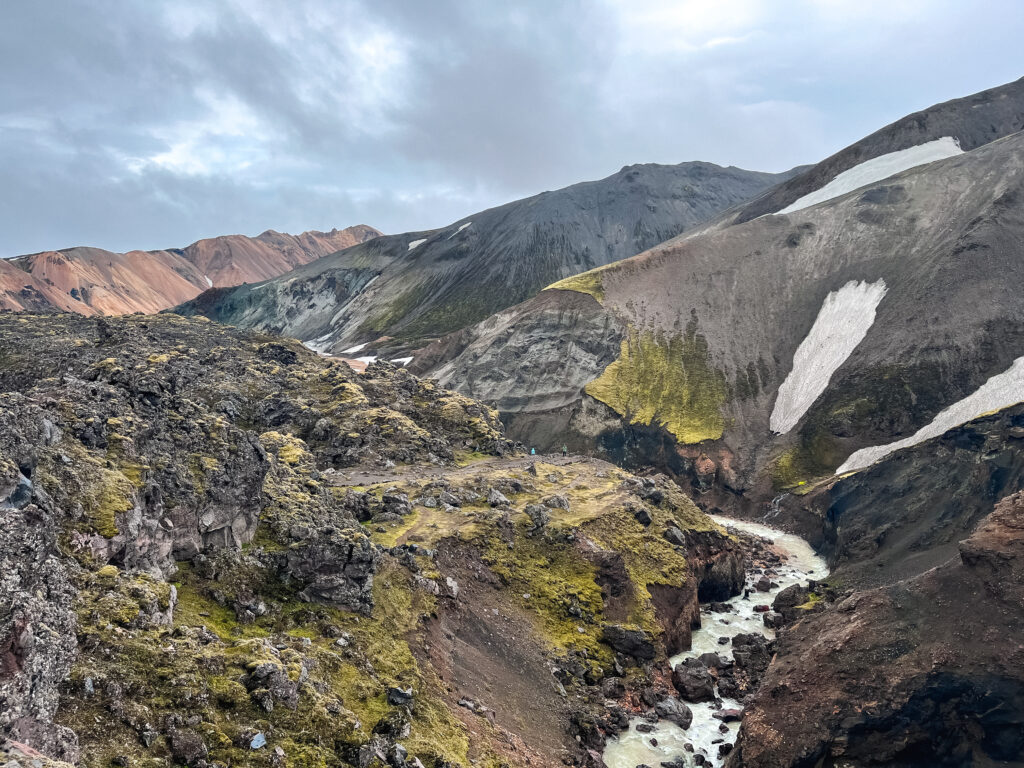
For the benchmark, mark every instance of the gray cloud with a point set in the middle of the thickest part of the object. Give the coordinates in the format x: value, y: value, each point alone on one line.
x: 147, y: 124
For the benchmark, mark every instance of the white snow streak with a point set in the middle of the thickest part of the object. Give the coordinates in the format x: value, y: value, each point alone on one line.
x: 209, y: 282
x: 878, y: 168
x: 842, y: 322
x: 453, y: 234
x: 353, y: 350
x: 402, y: 360
x: 1000, y: 391
x: 367, y: 360
x: 318, y: 345
x: 414, y: 243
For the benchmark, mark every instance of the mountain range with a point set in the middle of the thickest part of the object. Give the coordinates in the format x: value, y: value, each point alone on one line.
x: 95, y: 281
x: 221, y: 546
x: 398, y: 290
x: 759, y: 352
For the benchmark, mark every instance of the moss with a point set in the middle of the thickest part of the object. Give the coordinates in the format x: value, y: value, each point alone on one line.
x: 107, y: 575
x: 560, y: 583
x: 591, y: 283
x: 813, y: 599
x: 667, y: 381
x: 466, y: 458
x: 103, y: 500
x: 134, y: 472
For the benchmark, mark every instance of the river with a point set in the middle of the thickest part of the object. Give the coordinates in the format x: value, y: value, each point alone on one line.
x: 633, y: 748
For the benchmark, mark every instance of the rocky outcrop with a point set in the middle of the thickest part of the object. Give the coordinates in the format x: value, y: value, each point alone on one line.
x: 133, y: 448
x: 396, y: 291
x: 94, y: 281
x: 924, y: 672
x: 37, y: 624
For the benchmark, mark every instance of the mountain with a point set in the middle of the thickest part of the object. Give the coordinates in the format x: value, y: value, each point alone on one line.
x: 94, y: 281
x: 758, y: 354
x: 925, y: 601
x: 423, y: 284
x: 220, y: 548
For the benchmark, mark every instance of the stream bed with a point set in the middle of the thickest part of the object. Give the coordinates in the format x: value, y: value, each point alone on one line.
x: 632, y: 748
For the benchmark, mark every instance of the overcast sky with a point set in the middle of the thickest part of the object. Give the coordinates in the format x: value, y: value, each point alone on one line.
x: 146, y: 124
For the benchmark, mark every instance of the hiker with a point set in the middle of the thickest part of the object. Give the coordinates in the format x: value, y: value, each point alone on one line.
x: 565, y: 451
x: 533, y: 451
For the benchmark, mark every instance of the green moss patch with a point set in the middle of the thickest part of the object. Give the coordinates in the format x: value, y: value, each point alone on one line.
x: 668, y: 381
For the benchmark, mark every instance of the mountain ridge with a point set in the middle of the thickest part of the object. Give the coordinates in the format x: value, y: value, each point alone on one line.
x: 90, y: 280
x: 430, y: 282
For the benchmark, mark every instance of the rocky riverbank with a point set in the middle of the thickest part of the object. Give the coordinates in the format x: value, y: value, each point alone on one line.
x: 728, y: 655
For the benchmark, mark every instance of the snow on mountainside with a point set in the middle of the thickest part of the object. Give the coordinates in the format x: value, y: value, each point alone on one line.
x: 1000, y: 391
x: 842, y: 323
x: 759, y: 357
x: 878, y: 168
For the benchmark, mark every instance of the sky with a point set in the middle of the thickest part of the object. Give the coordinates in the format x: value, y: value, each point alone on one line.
x: 149, y: 124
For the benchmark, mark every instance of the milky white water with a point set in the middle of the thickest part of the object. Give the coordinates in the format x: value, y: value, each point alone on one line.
x: 633, y: 748
x: 878, y: 168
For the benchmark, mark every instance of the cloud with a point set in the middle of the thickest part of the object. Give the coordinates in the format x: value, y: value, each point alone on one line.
x: 154, y: 124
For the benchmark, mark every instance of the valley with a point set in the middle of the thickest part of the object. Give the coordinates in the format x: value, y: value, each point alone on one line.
x: 687, y: 466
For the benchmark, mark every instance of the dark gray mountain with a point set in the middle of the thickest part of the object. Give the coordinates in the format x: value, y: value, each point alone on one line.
x: 763, y: 356
x: 424, y: 284
x: 972, y: 121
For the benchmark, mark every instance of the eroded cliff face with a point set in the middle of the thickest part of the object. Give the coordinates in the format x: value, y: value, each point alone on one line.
x: 221, y: 548
x: 908, y: 655
x: 923, y: 672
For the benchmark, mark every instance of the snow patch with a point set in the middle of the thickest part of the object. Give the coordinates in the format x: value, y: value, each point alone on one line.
x: 367, y: 360
x: 878, y: 168
x: 414, y: 243
x: 1001, y: 391
x: 453, y: 234
x: 209, y: 282
x: 353, y: 350
x: 842, y: 323
x: 402, y: 360
x: 318, y: 345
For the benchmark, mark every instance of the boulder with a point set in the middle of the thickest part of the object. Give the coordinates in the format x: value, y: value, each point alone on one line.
x: 558, y: 501
x: 497, y: 499
x: 675, y: 536
x: 674, y: 711
x: 538, y: 514
x: 631, y: 642
x: 693, y: 681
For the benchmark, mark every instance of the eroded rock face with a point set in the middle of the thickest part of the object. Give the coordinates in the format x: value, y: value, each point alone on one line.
x: 927, y: 671
x: 37, y: 623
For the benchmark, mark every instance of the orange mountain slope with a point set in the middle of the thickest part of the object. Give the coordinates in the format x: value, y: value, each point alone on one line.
x: 94, y: 281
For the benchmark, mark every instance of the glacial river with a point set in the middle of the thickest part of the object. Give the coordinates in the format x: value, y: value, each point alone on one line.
x: 633, y: 748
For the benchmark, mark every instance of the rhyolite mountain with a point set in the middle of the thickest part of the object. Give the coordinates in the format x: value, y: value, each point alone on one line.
x: 95, y: 281
x: 420, y: 285
x: 758, y: 354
